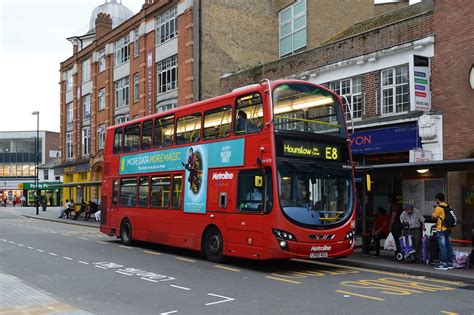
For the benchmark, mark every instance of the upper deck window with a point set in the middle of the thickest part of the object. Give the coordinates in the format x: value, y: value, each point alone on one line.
x: 188, y: 129
x: 147, y: 129
x: 307, y: 108
x: 164, y: 132
x: 118, y: 139
x: 249, y: 114
x: 217, y: 123
x: 131, y: 141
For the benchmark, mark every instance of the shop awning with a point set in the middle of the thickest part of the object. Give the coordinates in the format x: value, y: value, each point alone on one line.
x: 447, y: 165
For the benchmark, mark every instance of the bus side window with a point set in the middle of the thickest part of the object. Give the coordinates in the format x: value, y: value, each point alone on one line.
x: 188, y: 129
x: 177, y: 198
x: 115, y: 191
x: 147, y: 129
x: 160, y: 191
x: 118, y: 137
x: 131, y: 142
x: 128, y: 192
x: 217, y: 123
x: 143, y: 192
x: 164, y: 132
x: 249, y: 114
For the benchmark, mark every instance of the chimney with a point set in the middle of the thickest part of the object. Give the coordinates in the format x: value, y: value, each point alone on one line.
x: 103, y: 25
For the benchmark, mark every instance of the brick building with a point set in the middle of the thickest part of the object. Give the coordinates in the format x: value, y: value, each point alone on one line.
x: 171, y: 53
x: 387, y: 67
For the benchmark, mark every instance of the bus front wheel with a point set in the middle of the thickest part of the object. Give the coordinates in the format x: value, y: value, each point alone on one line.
x: 213, y: 245
x: 126, y: 232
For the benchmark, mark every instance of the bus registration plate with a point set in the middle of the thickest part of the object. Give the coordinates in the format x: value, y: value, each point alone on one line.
x: 318, y: 255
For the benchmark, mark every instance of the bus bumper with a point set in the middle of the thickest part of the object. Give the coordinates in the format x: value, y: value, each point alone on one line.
x: 314, y: 250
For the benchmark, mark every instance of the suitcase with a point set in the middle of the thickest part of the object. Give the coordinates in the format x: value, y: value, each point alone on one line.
x: 433, y: 248
x: 424, y: 254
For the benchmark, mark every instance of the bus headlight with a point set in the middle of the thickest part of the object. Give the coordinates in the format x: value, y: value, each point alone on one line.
x: 283, y: 244
x: 283, y: 235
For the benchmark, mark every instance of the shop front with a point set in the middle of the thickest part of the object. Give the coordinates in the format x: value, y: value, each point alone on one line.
x: 79, y: 182
x: 49, y: 192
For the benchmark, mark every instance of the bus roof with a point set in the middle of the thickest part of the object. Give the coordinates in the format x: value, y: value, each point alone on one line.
x: 238, y: 91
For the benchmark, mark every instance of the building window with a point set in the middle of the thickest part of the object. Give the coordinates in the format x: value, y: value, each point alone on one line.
x: 69, y: 114
x: 69, y: 145
x: 45, y: 174
x: 122, y: 50
x: 136, y: 91
x: 101, y: 136
x: 86, y: 141
x: 164, y: 108
x: 136, y: 44
x: 293, y: 28
x: 395, y: 91
x: 86, y: 107
x: 121, y: 119
x: 69, y: 80
x: 122, y: 92
x: 102, y: 60
x: 86, y: 70
x: 350, y: 90
x: 167, y: 74
x: 167, y: 25
x: 101, y: 99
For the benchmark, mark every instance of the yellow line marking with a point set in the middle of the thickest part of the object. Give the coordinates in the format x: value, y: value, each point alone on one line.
x: 102, y: 242
x: 457, y: 283
x: 185, y: 259
x: 285, y: 280
x: 449, y: 313
x: 150, y: 252
x: 126, y: 247
x: 361, y: 295
x: 83, y: 238
x: 226, y: 268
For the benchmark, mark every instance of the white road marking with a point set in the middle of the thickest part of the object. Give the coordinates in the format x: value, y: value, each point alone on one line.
x: 226, y: 299
x: 4, y: 240
x: 68, y: 258
x: 53, y: 254
x: 29, y: 247
x: 147, y: 279
x: 178, y: 287
x: 21, y: 245
x: 123, y: 273
x: 40, y: 250
x: 83, y: 262
x: 11, y: 242
x: 83, y: 238
x: 171, y: 312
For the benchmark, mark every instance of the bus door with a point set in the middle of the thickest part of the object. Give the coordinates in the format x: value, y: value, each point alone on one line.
x: 246, y: 229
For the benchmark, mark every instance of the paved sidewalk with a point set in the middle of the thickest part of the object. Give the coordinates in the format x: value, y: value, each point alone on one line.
x: 383, y: 262
x: 51, y: 214
x: 16, y: 297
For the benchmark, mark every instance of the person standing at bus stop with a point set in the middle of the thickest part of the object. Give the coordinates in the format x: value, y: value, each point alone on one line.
x: 442, y: 234
x: 395, y: 225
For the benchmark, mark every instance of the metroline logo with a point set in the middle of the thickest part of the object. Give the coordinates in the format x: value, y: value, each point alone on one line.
x: 226, y: 175
x: 324, y: 248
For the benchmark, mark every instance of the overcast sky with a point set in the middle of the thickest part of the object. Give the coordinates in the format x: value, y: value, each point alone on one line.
x: 32, y: 44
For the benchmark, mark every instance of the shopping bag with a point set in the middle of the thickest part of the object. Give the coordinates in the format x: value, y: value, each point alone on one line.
x: 461, y: 259
x: 389, y: 243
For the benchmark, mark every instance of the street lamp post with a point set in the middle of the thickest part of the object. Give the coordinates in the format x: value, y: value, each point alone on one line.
x: 36, y: 113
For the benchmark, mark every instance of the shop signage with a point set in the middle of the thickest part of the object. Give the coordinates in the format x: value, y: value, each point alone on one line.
x: 149, y: 82
x: 41, y: 186
x: 421, y: 86
x: 387, y: 140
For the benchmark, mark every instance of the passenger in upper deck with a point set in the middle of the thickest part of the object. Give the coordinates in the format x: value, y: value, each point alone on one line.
x: 241, y: 123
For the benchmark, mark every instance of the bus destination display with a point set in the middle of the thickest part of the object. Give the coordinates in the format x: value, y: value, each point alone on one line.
x: 306, y: 149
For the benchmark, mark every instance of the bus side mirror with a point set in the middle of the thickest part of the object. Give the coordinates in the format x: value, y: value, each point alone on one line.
x: 368, y: 182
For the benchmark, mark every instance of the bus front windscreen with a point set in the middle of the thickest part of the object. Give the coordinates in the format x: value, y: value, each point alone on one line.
x: 315, y: 197
x: 307, y: 108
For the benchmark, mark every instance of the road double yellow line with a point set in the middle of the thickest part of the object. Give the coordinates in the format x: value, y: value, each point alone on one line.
x: 361, y: 295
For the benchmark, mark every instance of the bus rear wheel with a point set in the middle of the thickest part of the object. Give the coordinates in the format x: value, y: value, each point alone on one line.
x: 126, y: 232
x: 213, y: 245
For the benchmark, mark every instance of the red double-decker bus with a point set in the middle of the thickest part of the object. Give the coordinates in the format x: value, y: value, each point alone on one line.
x: 264, y: 172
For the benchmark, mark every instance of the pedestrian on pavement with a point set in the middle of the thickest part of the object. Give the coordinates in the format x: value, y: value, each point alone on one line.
x: 442, y: 234
x: 414, y: 224
x: 81, y: 209
x: 23, y: 201
x: 14, y: 200
x: 395, y: 225
x: 380, y: 229
x: 4, y: 201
